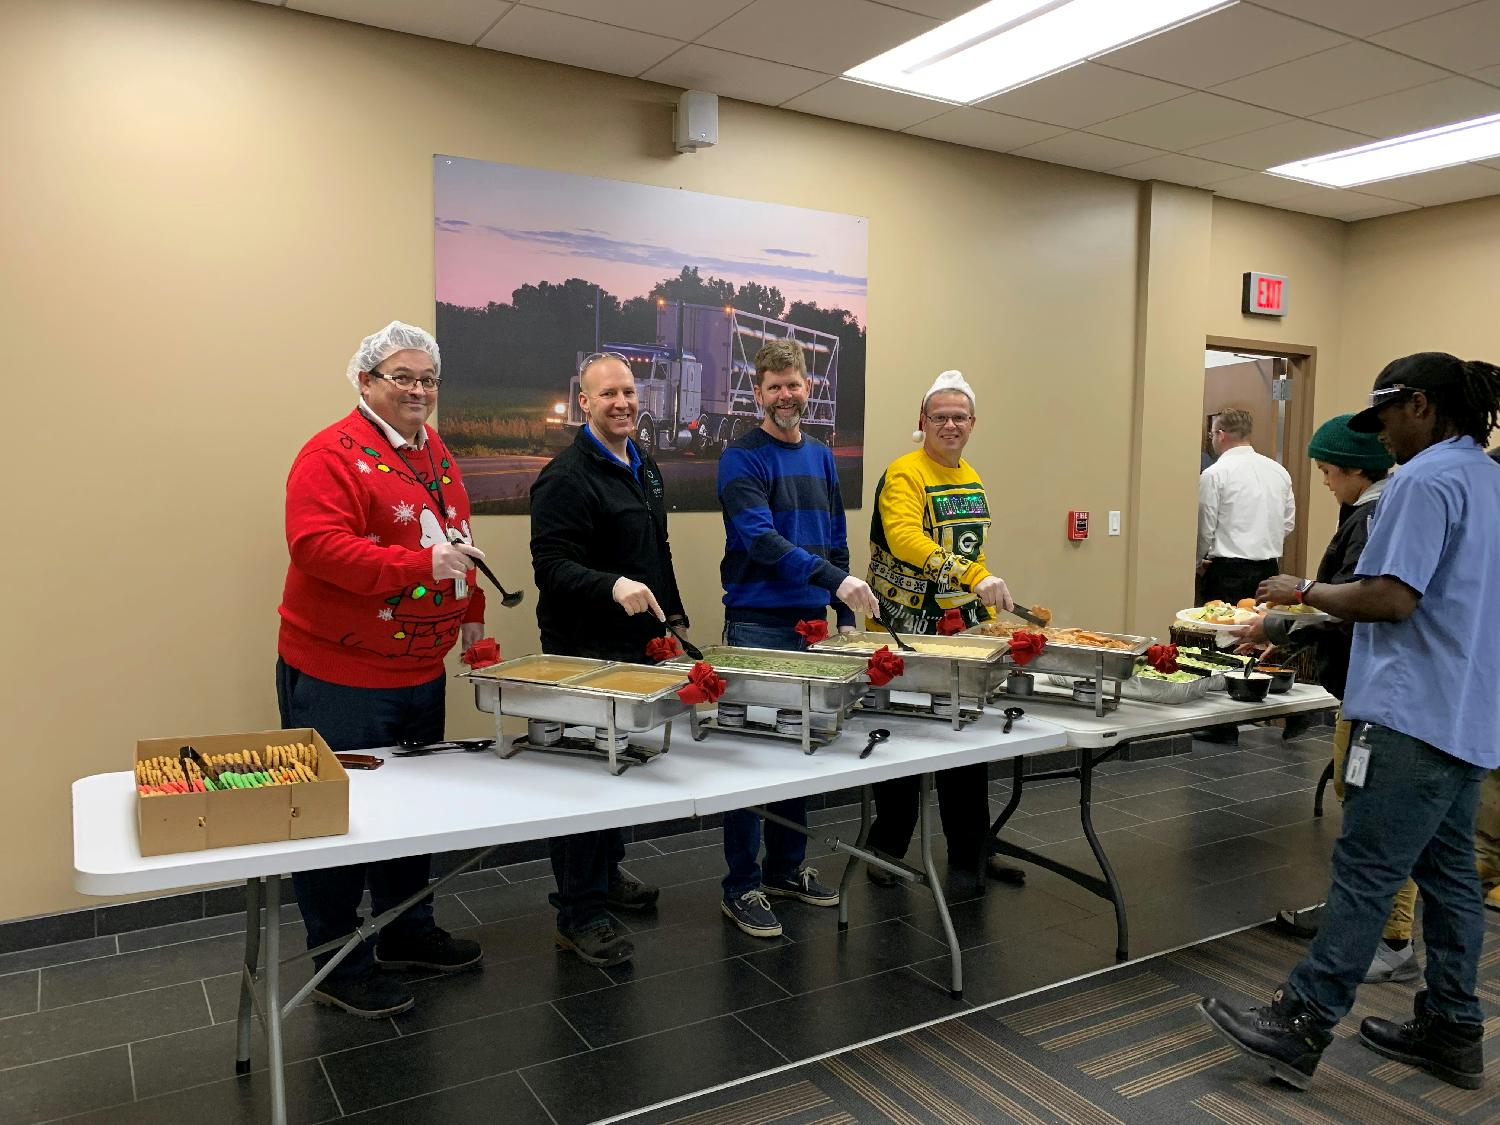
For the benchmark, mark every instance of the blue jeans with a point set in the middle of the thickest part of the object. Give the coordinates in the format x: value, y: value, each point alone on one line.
x: 583, y: 865
x: 351, y: 718
x: 1414, y: 816
x: 785, y: 849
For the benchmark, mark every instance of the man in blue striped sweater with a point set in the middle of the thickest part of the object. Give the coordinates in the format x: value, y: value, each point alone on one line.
x: 786, y: 558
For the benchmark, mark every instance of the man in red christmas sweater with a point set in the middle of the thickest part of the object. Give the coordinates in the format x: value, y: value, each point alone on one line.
x: 378, y: 591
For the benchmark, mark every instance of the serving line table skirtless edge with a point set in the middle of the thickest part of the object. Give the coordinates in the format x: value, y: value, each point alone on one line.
x: 1097, y: 738
x: 454, y: 801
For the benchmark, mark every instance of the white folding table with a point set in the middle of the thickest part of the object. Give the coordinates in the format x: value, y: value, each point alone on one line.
x: 456, y: 800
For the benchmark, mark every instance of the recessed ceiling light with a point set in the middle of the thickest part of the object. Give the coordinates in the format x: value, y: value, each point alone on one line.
x: 1008, y: 43
x: 1442, y: 147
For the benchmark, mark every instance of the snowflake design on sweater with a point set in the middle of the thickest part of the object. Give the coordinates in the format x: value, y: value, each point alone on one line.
x: 363, y: 466
x: 386, y: 613
x: 373, y: 538
x: 404, y: 512
x: 452, y: 512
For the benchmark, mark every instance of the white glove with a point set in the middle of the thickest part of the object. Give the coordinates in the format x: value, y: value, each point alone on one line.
x: 993, y: 591
x: 451, y: 560
x: 636, y: 597
x: 857, y: 595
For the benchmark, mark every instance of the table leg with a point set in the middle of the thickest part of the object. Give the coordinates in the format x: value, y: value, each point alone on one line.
x: 956, y: 681
x: 245, y: 1027
x: 1086, y: 815
x: 854, y: 860
x: 935, y: 885
x: 807, y: 746
x: 273, y: 998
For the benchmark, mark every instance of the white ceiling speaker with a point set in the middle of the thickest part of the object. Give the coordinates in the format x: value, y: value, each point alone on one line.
x: 695, y: 122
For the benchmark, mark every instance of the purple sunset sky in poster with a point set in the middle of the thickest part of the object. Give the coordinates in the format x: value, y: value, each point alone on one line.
x: 501, y: 226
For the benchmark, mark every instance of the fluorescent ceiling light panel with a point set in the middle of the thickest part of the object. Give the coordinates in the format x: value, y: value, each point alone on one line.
x: 1008, y: 43
x: 1442, y: 147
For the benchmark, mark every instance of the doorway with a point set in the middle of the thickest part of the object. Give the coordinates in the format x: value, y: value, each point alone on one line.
x: 1274, y: 382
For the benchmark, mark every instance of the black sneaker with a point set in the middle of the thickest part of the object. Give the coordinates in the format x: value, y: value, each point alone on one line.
x: 372, y: 996
x: 803, y: 886
x: 1282, y: 1035
x: 437, y: 950
x: 631, y: 894
x: 752, y: 913
x: 597, y: 945
x: 996, y: 868
x: 1453, y: 1052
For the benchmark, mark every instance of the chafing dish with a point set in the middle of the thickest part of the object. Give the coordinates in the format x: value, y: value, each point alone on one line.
x: 949, y: 669
x: 1107, y: 667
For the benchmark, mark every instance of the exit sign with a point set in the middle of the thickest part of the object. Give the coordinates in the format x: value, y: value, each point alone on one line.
x: 1263, y: 294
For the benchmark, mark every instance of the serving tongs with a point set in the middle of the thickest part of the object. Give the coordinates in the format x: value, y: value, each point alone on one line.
x: 411, y: 749
x: 1026, y: 614
x: 687, y: 646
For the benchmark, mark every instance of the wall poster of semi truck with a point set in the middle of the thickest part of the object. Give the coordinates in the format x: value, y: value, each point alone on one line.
x: 536, y: 269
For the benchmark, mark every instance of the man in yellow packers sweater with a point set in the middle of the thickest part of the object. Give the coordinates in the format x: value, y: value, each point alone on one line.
x: 927, y: 567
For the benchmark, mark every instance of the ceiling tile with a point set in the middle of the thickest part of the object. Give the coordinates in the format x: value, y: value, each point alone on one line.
x: 1411, y: 111
x: 576, y: 42
x: 830, y: 36
x: 733, y: 76
x: 1082, y: 95
x: 1346, y: 74
x: 674, y: 19
x: 1195, y: 119
x: 1178, y: 169
x: 937, y: 9
x: 1291, y: 140
x: 1333, y: 203
x: 1360, y: 17
x: 1228, y: 44
x: 1490, y: 74
x: 1084, y: 150
x: 458, y: 21
x: 866, y: 105
x: 1464, y: 39
x: 1446, y: 185
x: 978, y: 128
x: 1257, y: 187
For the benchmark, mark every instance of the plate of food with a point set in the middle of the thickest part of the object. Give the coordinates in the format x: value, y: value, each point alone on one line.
x: 1218, y: 616
x: 1303, y: 613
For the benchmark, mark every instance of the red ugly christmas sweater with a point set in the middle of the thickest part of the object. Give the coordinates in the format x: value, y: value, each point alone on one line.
x: 360, y: 607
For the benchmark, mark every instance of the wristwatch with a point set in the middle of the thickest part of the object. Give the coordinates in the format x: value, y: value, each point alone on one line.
x: 1307, y: 584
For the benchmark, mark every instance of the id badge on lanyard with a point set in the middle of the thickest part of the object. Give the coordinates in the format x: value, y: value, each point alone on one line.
x: 460, y: 584
x: 1359, y: 759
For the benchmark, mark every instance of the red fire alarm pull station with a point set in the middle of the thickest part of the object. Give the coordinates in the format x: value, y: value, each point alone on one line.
x: 1263, y: 294
x: 1078, y: 525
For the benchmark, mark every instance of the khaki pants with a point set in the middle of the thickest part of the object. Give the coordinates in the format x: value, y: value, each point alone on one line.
x: 1404, y: 906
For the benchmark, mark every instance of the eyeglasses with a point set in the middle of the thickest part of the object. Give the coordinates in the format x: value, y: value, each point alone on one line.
x: 941, y: 420
x: 595, y: 357
x: 406, y: 381
x: 1384, y: 396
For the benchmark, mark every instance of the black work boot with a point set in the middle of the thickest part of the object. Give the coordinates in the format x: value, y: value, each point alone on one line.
x: 1283, y: 1035
x: 1453, y: 1052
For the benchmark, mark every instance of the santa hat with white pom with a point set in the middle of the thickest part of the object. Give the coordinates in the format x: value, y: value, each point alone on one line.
x: 948, y: 381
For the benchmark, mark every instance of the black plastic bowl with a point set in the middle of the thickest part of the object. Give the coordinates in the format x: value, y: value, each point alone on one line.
x: 1282, y: 679
x: 1247, y: 689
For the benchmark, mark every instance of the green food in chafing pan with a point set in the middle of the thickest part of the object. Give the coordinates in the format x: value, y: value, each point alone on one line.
x: 791, y: 664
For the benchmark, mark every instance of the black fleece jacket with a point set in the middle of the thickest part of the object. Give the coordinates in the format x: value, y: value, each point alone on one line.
x: 591, y: 523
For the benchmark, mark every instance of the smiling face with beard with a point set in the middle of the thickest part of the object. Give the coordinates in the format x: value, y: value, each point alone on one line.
x: 782, y: 398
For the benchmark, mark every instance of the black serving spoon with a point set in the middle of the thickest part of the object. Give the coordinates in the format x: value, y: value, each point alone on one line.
x: 509, y: 599
x: 687, y: 646
x: 1011, y: 715
x: 899, y: 642
x: 879, y: 734
x: 411, y: 749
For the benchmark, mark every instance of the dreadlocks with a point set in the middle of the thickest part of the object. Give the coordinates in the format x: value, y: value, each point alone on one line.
x: 1473, y: 407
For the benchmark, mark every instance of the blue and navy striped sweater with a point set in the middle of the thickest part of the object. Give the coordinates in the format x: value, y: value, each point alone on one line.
x: 786, y: 549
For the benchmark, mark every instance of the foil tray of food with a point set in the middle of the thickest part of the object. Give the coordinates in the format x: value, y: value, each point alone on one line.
x: 938, y: 666
x: 763, y: 677
x: 1073, y: 652
x: 580, y: 692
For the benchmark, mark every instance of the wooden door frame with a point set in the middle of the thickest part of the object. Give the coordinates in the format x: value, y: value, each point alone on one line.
x: 1302, y: 365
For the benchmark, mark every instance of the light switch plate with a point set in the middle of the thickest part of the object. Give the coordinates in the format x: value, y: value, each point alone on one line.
x: 1114, y: 523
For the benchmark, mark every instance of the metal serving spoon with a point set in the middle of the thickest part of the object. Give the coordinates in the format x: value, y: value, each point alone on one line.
x: 879, y: 734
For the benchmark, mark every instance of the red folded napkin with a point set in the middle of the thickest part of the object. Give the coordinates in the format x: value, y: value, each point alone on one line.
x: 1025, y: 646
x: 1163, y: 658
x: 813, y: 632
x: 482, y: 653
x: 704, y: 685
x: 662, y: 649
x: 951, y: 622
x: 884, y: 666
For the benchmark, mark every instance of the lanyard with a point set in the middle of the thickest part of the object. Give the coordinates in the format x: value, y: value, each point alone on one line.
x: 435, y: 485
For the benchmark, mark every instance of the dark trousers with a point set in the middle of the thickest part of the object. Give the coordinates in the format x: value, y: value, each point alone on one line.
x: 1229, y: 580
x: 583, y: 865
x: 1414, y: 816
x: 358, y: 719
x: 963, y: 803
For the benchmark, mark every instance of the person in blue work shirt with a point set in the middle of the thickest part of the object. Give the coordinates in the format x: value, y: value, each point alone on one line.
x: 786, y: 558
x: 1422, y: 698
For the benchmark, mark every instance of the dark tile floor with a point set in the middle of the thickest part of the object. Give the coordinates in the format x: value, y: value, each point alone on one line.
x: 138, y: 1026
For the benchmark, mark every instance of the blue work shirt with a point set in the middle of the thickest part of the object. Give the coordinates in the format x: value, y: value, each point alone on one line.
x: 1436, y: 675
x: 634, y: 464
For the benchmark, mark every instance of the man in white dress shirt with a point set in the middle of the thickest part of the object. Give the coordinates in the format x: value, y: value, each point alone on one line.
x: 1245, y: 513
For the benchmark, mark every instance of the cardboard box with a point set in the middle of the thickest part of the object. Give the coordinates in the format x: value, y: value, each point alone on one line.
x: 189, y: 822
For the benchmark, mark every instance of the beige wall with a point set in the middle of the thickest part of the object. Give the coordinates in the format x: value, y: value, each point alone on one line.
x: 209, y: 202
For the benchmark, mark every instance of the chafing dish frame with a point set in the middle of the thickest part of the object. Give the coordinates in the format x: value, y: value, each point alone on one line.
x: 1107, y: 667
x: 961, y: 676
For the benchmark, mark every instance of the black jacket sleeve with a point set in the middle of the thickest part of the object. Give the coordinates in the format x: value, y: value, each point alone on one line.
x: 562, y: 518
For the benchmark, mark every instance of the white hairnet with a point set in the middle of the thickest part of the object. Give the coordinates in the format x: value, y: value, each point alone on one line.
x: 947, y: 381
x: 394, y: 337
